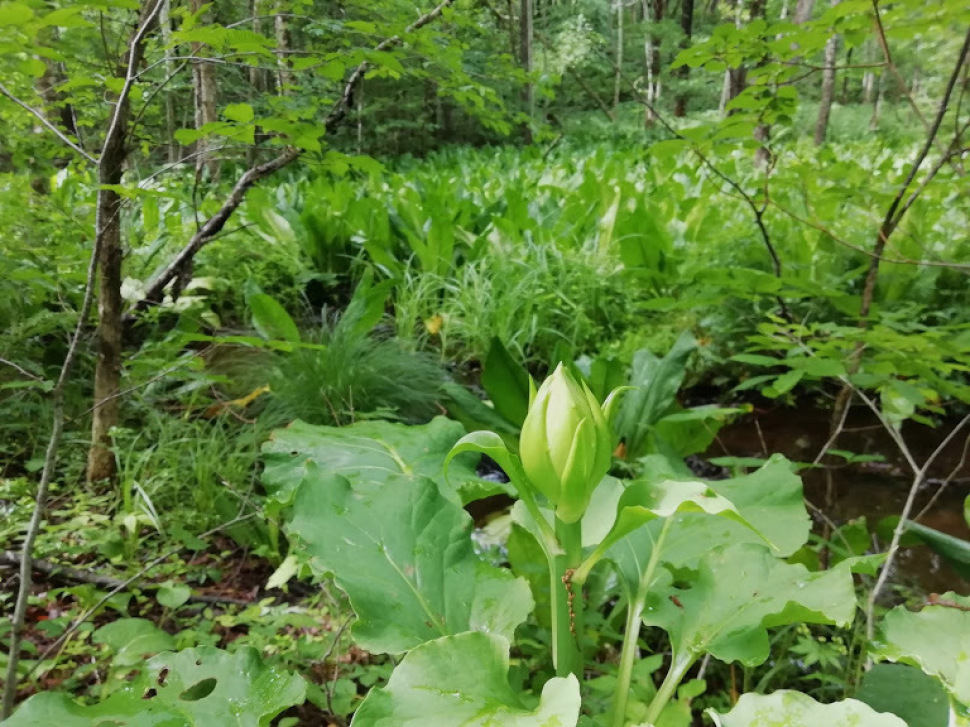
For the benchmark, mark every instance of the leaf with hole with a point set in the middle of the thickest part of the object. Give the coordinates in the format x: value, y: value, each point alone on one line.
x: 197, y: 687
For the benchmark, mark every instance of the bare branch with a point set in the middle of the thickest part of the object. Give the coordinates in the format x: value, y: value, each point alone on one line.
x: 67, y: 573
x: 887, y: 54
x: 155, y: 291
x: 39, y: 115
x: 21, y: 370
x: 894, y: 214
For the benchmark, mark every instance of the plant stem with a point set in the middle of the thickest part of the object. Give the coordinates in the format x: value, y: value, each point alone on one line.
x: 632, y: 632
x: 567, y: 605
x: 678, y: 668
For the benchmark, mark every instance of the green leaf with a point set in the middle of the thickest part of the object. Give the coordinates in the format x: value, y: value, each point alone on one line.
x: 131, y: 640
x: 936, y: 639
x: 644, y: 502
x: 402, y: 543
x: 240, y: 112
x: 506, y: 383
x: 270, y: 318
x: 770, y: 500
x: 656, y: 381
x: 193, y: 688
x: 794, y: 709
x: 462, y: 681
x: 916, y: 698
x: 740, y: 592
x: 786, y: 382
x: 173, y: 595
x: 371, y: 453
x: 14, y: 14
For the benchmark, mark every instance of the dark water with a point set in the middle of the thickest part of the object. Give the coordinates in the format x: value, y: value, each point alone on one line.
x: 873, y: 490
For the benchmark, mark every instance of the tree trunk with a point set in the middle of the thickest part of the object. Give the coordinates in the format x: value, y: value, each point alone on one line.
x: 525, y: 57
x: 734, y: 78
x: 107, y: 374
x: 257, y: 78
x: 284, y: 74
x: 205, y: 90
x: 683, y: 73
x: 877, y: 84
x: 762, y: 132
x: 165, y: 24
x: 828, y: 87
x: 803, y: 11
x: 618, y: 73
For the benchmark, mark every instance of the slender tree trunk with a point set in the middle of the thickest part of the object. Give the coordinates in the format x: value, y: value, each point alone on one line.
x: 734, y: 78
x: 205, y: 90
x: 879, y: 84
x: 165, y: 24
x: 525, y: 50
x: 284, y: 74
x: 257, y: 78
x: 107, y: 374
x: 844, y: 95
x: 762, y: 132
x: 803, y: 11
x: 618, y: 74
x: 683, y: 73
x: 513, y: 41
x: 828, y: 87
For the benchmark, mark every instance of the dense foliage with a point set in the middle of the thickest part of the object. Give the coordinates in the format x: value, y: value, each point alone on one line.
x: 276, y: 274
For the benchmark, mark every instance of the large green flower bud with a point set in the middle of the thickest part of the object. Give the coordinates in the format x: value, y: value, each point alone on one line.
x: 566, y: 444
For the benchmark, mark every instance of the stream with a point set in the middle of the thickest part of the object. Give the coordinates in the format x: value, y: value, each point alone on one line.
x: 873, y: 490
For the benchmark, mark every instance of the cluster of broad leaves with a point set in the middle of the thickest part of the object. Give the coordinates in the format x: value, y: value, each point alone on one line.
x: 369, y: 506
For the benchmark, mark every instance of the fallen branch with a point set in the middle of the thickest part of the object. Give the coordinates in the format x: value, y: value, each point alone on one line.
x: 67, y: 573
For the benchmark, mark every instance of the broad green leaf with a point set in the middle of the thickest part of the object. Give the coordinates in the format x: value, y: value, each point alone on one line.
x: 193, y: 688
x: 507, y: 383
x: 14, y: 14
x: 372, y: 452
x: 916, y: 698
x: 240, y: 112
x: 643, y: 502
x: 936, y: 639
x: 769, y: 499
x: 794, y: 709
x: 173, y: 595
x: 402, y: 543
x: 270, y: 318
x: 462, y: 681
x: 741, y: 591
x: 131, y: 640
x: 656, y: 381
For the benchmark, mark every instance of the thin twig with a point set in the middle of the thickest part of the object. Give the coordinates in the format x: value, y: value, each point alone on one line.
x: 65, y: 572
x: 76, y: 623
x: 946, y: 483
x: 900, y: 529
x: 21, y: 370
x: 40, y: 503
x: 39, y: 115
